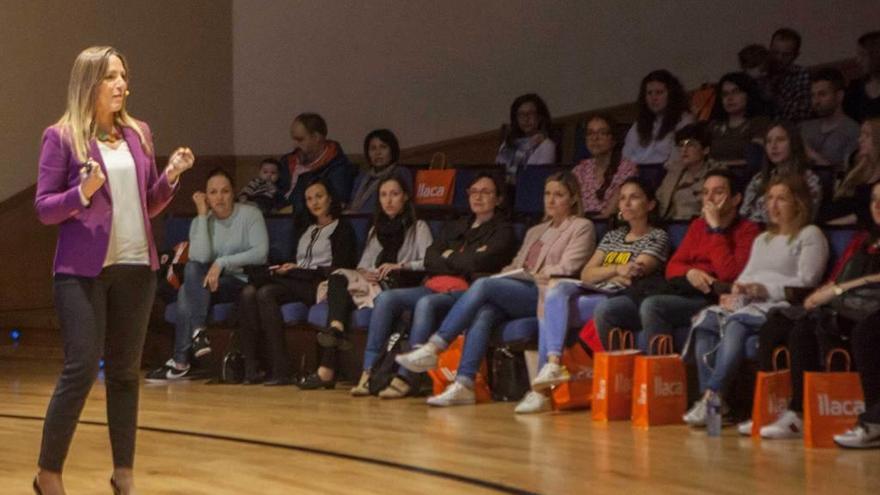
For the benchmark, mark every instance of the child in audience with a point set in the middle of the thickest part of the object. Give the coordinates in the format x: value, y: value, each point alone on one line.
x: 600, y: 177
x: 784, y: 155
x: 738, y: 120
x: 262, y: 190
x: 824, y: 324
x: 527, y: 140
x: 852, y: 193
x: 397, y: 241
x: 790, y: 253
x: 679, y: 195
x: 557, y: 247
x: 663, y: 109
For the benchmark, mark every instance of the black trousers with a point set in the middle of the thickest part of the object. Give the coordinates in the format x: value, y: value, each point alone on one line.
x: 339, y: 308
x: 261, y: 320
x: 102, y: 316
x: 866, y: 352
x: 809, y: 335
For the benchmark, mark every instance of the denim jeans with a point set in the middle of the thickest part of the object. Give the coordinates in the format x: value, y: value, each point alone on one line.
x: 619, y: 312
x: 669, y: 315
x: 720, y: 346
x: 193, y: 302
x: 553, y: 326
x: 479, y: 310
x: 388, y: 307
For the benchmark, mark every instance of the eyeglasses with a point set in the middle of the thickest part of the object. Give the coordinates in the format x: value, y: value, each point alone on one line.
x: 595, y: 134
x: 481, y: 192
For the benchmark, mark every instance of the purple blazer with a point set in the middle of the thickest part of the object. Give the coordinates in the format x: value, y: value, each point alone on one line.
x: 84, y: 232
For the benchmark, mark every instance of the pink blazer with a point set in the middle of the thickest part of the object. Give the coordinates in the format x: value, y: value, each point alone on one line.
x: 565, y: 253
x: 84, y: 232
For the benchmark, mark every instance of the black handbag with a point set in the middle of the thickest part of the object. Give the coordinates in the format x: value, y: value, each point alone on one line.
x: 510, y: 377
x: 858, y: 303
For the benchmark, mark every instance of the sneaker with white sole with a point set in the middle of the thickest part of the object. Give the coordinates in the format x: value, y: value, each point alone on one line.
x: 455, y: 394
x: 789, y: 425
x: 168, y: 372
x: 696, y: 415
x: 551, y: 374
x: 419, y: 360
x: 745, y: 428
x: 201, y: 346
x: 861, y: 436
x: 533, y: 402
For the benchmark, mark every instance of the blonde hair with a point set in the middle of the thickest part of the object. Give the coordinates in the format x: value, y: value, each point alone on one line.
x: 571, y: 184
x: 803, y: 200
x: 866, y: 165
x: 78, y: 121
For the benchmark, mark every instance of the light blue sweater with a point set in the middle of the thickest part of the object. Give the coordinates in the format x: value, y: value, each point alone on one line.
x: 238, y: 240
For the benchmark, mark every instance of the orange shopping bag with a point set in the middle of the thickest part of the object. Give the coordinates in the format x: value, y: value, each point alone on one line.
x: 659, y: 394
x: 577, y: 392
x: 612, y: 378
x: 772, y: 393
x: 436, y: 185
x: 832, y: 402
x: 447, y: 364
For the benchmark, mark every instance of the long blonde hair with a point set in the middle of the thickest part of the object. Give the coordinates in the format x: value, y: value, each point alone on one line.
x: 866, y: 165
x: 78, y: 121
x: 571, y: 184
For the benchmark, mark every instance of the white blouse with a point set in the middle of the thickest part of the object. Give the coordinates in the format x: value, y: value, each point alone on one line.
x: 128, y: 239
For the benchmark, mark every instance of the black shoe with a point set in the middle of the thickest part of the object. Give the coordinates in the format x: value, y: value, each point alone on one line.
x: 37, y: 489
x: 201, y: 345
x: 169, y: 373
x: 328, y: 337
x: 314, y: 382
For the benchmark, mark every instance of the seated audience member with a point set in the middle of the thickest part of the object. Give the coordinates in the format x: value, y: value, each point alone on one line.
x: 789, y: 83
x: 600, y: 177
x: 262, y: 190
x: 679, y: 195
x: 481, y: 242
x: 754, y: 61
x: 527, y: 141
x: 831, y: 137
x: 853, y: 192
x: 557, y: 247
x: 628, y: 256
x: 625, y: 255
x: 865, y: 434
x: 790, y: 253
x: 396, y: 241
x: 737, y: 121
x: 382, y: 153
x: 825, y: 322
x: 327, y: 243
x: 863, y: 94
x: 313, y: 156
x: 224, y: 237
x: 784, y: 155
x: 663, y: 109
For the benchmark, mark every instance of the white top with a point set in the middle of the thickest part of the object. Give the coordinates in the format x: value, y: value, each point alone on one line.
x: 314, y: 249
x: 128, y: 238
x: 657, y: 150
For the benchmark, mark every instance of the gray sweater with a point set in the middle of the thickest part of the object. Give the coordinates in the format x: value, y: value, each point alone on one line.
x: 238, y: 240
x: 411, y: 253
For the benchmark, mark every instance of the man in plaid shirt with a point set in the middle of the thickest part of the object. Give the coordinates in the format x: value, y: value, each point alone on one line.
x: 790, y: 83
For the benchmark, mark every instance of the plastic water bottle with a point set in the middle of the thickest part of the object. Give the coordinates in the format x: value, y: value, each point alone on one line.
x: 713, y: 415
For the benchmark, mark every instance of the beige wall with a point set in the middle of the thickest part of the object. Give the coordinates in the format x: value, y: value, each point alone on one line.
x: 436, y: 70
x: 181, y: 69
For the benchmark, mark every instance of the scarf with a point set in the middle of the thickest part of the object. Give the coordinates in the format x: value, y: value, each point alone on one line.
x: 297, y: 168
x: 391, y: 234
x: 370, y: 185
x: 515, y: 157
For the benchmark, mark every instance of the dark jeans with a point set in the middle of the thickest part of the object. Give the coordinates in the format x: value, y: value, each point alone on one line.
x: 866, y: 352
x: 261, y: 319
x: 102, y: 316
x: 808, y: 338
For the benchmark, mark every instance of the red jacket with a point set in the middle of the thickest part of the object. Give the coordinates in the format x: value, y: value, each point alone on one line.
x: 722, y: 255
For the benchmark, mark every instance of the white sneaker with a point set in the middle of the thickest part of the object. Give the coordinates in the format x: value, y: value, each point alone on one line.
x: 551, y: 374
x: 533, y: 402
x: 696, y: 415
x: 861, y: 436
x: 789, y: 425
x: 745, y: 428
x: 418, y: 361
x: 454, y: 395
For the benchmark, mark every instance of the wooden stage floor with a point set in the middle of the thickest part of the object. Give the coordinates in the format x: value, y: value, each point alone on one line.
x: 232, y: 439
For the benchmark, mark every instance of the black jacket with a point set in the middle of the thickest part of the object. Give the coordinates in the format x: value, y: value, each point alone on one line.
x: 485, y: 249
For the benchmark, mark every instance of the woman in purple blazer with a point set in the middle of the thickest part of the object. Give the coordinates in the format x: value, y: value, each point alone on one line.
x: 98, y: 182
